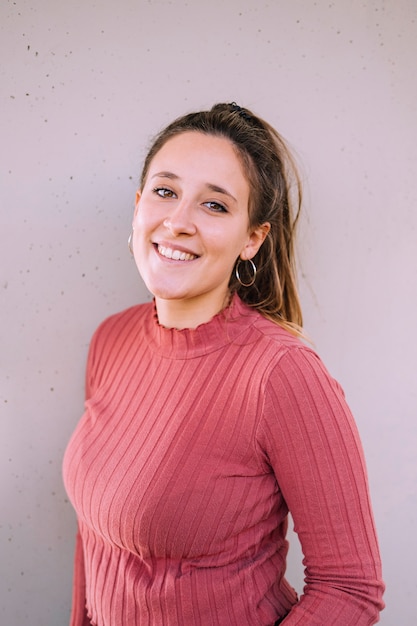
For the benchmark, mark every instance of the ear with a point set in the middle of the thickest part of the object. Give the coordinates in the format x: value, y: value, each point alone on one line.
x: 256, y: 239
x: 137, y: 199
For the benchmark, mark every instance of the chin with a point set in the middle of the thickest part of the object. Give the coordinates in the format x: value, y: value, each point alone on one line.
x: 167, y: 293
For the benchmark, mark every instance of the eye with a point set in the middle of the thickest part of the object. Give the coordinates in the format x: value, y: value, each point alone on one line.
x: 216, y: 207
x: 163, y: 192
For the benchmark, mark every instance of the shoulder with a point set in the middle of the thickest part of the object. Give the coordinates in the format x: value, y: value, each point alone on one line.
x: 276, y: 334
x: 287, y: 369
x: 304, y: 407
x: 293, y: 369
x: 123, y: 322
x: 301, y: 398
x: 117, y: 332
x: 112, y: 342
x: 281, y: 347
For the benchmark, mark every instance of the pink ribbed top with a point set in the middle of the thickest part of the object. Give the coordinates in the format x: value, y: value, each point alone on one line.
x: 193, y: 447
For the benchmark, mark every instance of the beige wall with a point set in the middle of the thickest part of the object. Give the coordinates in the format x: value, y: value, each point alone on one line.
x: 83, y: 87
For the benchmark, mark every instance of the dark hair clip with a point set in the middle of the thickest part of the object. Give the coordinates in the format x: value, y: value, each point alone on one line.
x: 242, y: 112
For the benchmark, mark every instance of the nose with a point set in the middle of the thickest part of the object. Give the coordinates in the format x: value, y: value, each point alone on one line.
x: 180, y: 220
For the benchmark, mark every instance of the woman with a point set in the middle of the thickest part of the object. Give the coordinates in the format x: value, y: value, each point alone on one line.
x: 207, y: 418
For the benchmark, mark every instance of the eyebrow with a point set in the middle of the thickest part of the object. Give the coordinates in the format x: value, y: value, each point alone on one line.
x: 210, y: 186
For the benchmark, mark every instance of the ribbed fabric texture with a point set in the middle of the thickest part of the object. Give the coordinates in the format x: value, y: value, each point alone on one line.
x: 193, y: 446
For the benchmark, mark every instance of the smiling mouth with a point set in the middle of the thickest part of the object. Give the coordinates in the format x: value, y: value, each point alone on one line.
x: 175, y: 255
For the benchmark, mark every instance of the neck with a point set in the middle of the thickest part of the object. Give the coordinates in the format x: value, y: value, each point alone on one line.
x: 182, y: 314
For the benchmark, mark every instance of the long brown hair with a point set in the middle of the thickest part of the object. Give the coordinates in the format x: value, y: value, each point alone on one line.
x: 275, y: 197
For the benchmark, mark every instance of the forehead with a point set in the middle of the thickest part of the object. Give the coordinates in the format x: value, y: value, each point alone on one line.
x: 197, y: 149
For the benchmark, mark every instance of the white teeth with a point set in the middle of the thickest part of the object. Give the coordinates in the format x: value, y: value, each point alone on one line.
x: 176, y: 255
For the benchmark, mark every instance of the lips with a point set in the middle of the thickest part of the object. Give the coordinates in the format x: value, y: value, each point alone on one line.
x: 175, y: 255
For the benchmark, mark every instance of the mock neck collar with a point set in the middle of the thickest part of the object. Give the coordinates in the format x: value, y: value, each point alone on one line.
x: 228, y: 326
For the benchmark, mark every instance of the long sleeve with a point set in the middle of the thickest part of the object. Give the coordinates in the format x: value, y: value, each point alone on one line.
x: 193, y: 446
x: 315, y: 452
x: 78, y: 611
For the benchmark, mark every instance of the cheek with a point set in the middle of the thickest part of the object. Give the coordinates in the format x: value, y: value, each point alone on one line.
x: 225, y: 254
x: 143, y: 220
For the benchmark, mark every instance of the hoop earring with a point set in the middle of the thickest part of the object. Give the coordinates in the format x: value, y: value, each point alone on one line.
x: 238, y: 276
x: 129, y: 243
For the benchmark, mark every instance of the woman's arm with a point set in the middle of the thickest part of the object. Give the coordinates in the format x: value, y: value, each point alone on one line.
x: 79, y: 611
x: 313, y: 446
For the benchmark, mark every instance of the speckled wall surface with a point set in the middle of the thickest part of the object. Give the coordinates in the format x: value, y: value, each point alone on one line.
x: 84, y: 85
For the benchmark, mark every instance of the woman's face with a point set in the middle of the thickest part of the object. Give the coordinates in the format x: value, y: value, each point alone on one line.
x: 191, y: 221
